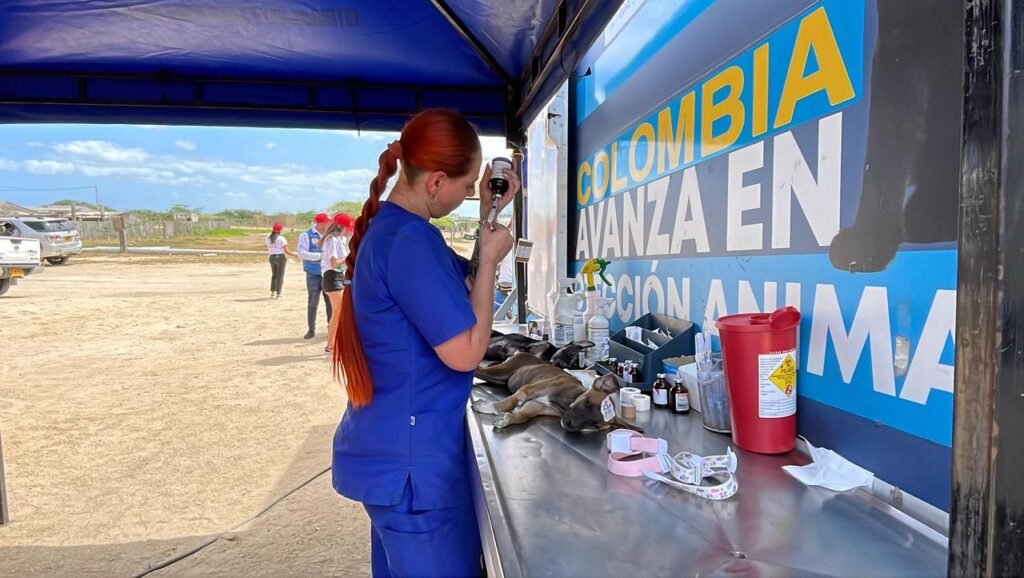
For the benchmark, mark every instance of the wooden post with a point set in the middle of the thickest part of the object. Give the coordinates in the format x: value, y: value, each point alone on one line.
x: 5, y: 513
x: 987, y: 510
x: 122, y: 233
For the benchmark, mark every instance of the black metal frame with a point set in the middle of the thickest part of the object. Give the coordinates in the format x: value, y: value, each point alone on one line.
x: 987, y: 511
x: 196, y: 86
x: 560, y: 27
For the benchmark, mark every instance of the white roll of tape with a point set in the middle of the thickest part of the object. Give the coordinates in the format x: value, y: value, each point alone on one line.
x: 626, y: 396
x: 642, y: 402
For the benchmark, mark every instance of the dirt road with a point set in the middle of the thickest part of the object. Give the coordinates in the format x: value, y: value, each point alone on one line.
x: 148, y: 404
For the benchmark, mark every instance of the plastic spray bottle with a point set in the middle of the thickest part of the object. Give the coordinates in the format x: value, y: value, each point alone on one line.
x: 597, y: 329
x: 566, y: 305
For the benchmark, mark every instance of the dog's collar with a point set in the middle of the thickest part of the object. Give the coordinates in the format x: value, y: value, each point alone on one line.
x: 688, y: 470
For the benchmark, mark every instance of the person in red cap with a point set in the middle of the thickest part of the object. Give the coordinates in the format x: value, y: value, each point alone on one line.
x: 277, y: 248
x: 332, y: 266
x: 309, y: 252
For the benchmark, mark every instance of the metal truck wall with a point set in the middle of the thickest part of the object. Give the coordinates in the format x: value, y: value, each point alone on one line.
x: 737, y: 155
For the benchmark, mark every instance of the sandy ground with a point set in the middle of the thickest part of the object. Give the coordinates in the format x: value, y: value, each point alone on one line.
x: 148, y: 404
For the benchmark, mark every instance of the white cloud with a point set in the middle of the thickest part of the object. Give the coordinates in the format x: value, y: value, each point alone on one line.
x: 372, y: 136
x: 35, y: 145
x: 101, y: 151
x: 43, y: 167
x: 185, y: 145
x: 237, y: 195
x: 270, y: 146
x: 8, y: 165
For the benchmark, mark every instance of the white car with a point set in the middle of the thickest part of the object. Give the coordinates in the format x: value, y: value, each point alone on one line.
x: 58, y: 238
x: 19, y: 258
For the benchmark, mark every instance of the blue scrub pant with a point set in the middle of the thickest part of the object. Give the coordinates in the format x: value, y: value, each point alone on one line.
x: 423, y: 543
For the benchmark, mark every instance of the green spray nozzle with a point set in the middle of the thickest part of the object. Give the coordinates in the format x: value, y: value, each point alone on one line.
x: 598, y: 266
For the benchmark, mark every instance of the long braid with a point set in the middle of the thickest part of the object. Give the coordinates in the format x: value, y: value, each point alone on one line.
x: 349, y: 360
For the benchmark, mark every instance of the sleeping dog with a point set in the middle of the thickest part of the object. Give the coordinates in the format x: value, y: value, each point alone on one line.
x: 504, y: 346
x: 540, y: 388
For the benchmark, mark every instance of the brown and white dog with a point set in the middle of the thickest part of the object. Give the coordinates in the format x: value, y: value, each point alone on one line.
x: 542, y: 389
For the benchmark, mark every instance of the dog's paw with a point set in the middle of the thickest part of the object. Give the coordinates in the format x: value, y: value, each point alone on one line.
x: 502, y: 420
x: 485, y: 407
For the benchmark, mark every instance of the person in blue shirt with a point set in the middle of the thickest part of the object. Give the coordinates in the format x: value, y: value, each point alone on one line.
x: 414, y: 325
x: 309, y: 252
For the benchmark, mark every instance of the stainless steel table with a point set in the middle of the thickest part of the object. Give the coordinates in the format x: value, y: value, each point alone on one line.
x: 549, y: 507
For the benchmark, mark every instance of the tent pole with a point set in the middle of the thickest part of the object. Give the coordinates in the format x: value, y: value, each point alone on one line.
x: 5, y: 513
x: 987, y: 509
x: 472, y: 40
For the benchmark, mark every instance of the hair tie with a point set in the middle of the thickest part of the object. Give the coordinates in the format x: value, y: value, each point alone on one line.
x: 395, y: 148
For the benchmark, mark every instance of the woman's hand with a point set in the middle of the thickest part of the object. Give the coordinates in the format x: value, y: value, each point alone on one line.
x: 494, y: 245
x: 486, y: 193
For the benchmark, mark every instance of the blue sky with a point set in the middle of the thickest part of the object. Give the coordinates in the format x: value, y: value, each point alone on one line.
x: 154, y: 167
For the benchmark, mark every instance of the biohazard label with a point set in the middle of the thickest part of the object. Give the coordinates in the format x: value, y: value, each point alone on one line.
x: 777, y: 384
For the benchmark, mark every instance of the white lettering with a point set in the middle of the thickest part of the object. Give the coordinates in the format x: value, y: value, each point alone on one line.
x: 653, y: 285
x: 679, y: 299
x: 633, y: 210
x: 610, y: 242
x: 623, y: 287
x: 870, y: 321
x: 926, y: 373
x: 715, y: 307
x: 657, y: 243
x: 741, y: 198
x: 583, y: 238
x: 819, y: 200
x: 694, y: 228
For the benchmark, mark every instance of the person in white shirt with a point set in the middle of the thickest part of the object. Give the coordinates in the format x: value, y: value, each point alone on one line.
x: 277, y: 248
x: 333, y: 252
x: 309, y: 251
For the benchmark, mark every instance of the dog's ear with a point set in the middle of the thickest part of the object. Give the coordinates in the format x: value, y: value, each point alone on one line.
x: 584, y: 344
x: 606, y: 383
x: 539, y: 349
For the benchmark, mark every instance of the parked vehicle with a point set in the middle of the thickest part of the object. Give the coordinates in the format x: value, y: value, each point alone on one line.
x: 58, y: 238
x: 19, y: 258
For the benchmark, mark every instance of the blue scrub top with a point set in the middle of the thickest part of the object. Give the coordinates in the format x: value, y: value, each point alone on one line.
x: 409, y: 296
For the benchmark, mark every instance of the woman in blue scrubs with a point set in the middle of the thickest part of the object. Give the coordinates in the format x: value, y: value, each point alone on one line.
x: 414, y: 325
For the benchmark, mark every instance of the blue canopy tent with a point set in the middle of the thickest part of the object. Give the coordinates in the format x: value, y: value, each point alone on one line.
x: 363, y: 65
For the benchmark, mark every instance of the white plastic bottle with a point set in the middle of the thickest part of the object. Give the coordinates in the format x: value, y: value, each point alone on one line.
x: 597, y: 330
x: 562, y: 320
x: 579, y: 327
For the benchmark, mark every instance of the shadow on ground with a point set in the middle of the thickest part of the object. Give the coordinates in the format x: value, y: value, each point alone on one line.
x: 312, y: 532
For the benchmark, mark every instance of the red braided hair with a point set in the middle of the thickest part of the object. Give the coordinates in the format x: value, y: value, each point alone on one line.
x: 434, y: 140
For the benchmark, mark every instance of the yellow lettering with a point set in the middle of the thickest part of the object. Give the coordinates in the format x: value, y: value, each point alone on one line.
x: 760, y: 120
x: 618, y: 183
x: 602, y: 178
x: 644, y: 131
x: 673, y: 143
x: 731, y: 106
x: 815, y: 33
x: 583, y: 193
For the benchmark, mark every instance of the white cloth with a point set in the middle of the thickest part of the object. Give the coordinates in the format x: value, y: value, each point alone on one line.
x: 831, y: 470
x: 507, y: 270
x: 276, y: 247
x: 304, y: 244
x: 333, y: 247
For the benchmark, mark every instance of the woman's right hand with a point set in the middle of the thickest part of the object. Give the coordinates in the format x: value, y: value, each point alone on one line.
x: 494, y: 245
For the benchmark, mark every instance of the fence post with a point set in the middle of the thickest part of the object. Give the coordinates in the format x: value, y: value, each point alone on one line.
x: 5, y: 513
x: 122, y: 234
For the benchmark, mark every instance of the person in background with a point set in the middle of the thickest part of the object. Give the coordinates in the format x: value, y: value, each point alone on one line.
x: 277, y: 248
x: 412, y: 328
x: 332, y: 266
x: 309, y: 252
